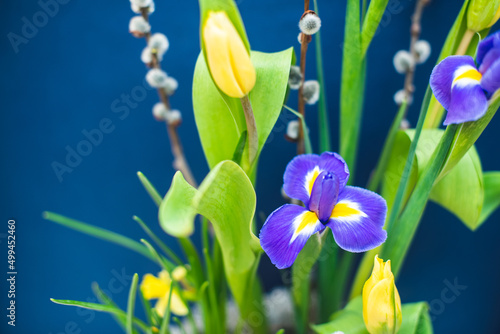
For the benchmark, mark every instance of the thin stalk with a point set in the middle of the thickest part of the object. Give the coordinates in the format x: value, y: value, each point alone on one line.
x: 324, y: 129
x: 376, y: 177
x: 180, y: 163
x: 131, y: 304
x: 210, y: 275
x: 253, y: 138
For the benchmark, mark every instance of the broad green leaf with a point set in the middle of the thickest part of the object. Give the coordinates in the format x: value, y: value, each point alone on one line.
x: 102, y: 308
x: 301, y: 274
x: 220, y: 119
x: 370, y: 24
x: 99, y: 233
x: 350, y: 320
x: 227, y: 199
x: 491, y: 195
x: 352, y: 86
x: 460, y: 191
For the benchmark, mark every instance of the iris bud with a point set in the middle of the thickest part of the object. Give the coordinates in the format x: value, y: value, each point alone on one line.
x: 482, y: 14
x: 381, y: 302
x: 226, y: 55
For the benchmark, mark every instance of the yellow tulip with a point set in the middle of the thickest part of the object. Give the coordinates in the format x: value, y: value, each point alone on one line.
x: 381, y: 302
x: 482, y: 14
x: 227, y: 58
x: 153, y: 287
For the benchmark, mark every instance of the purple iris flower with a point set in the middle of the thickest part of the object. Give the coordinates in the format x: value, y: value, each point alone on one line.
x: 463, y: 88
x: 356, y: 216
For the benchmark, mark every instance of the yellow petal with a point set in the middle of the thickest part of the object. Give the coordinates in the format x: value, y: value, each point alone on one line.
x: 380, y: 310
x: 176, y: 306
x: 153, y: 287
x: 228, y: 59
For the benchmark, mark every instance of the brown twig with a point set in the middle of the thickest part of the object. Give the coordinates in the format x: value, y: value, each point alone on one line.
x: 305, y: 40
x: 415, y: 31
x: 180, y: 163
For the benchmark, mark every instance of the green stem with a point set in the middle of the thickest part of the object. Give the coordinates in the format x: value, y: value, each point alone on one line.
x: 323, y: 122
x: 398, y: 242
x: 327, y: 267
x: 253, y: 139
x: 375, y: 179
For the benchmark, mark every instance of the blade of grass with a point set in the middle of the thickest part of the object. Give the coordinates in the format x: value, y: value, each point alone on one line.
x: 158, y: 242
x: 166, y: 317
x: 105, y: 299
x: 102, y: 308
x: 307, y: 139
x: 98, y: 232
x: 162, y: 261
x: 153, y: 193
x: 179, y: 323
x: 147, y: 309
x: 131, y: 304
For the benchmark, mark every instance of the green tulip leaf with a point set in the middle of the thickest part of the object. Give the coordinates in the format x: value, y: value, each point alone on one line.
x: 491, y: 182
x: 374, y: 14
x: 416, y: 319
x: 227, y: 199
x: 220, y: 119
x: 461, y: 191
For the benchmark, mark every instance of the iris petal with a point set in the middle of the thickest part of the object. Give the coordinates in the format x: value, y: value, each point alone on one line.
x: 285, y: 233
x: 357, y: 220
x: 485, y: 46
x: 468, y: 102
x: 335, y: 164
x: 443, y: 75
x: 300, y: 175
x: 324, y: 195
x: 491, y: 78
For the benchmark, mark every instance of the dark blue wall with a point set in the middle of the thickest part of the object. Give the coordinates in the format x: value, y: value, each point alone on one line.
x: 65, y: 78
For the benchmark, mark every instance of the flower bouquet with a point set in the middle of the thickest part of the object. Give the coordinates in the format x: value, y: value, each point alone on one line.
x: 238, y: 96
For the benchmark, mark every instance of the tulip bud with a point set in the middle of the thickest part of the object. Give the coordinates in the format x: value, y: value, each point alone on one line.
x: 381, y: 302
x: 482, y: 14
x: 226, y: 55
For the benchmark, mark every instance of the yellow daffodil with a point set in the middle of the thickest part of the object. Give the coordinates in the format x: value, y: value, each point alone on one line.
x: 227, y: 57
x: 482, y: 14
x: 381, y: 302
x: 153, y: 287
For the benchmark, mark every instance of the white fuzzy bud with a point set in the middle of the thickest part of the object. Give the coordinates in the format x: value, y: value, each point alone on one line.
x: 299, y: 38
x: 405, y: 124
x: 295, y: 78
x: 156, y: 78
x: 423, y: 49
x: 138, y: 26
x: 137, y: 9
x: 174, y: 117
x: 141, y: 3
x: 160, y: 112
x: 403, y: 61
x: 311, y: 91
x: 158, y: 43
x: 400, y: 96
x: 146, y: 56
x: 310, y: 23
x: 170, y: 86
x: 292, y: 130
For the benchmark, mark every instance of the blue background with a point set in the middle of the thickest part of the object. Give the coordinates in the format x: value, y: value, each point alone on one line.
x: 65, y: 79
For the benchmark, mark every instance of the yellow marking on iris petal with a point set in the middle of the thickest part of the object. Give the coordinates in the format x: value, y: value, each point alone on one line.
x: 309, y: 218
x: 313, y: 178
x: 470, y: 74
x: 342, y: 210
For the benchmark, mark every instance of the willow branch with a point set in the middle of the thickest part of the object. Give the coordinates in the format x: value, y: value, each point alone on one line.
x: 305, y: 40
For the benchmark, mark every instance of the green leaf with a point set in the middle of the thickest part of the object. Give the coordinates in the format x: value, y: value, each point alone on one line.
x: 227, y: 199
x: 105, y: 299
x: 102, y: 308
x: 131, y: 304
x: 352, y: 86
x: 99, y: 233
x: 301, y: 274
x: 460, y: 191
x: 416, y: 319
x: 220, y: 119
x: 491, y: 195
x: 370, y: 24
